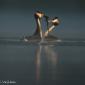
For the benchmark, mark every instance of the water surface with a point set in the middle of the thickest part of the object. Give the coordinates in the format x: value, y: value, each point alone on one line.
x: 35, y: 64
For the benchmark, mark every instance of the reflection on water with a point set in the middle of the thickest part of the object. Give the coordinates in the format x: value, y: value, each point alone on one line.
x: 38, y: 62
x: 51, y: 58
x: 42, y: 64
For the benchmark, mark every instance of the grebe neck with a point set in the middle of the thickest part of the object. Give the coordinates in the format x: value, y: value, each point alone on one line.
x: 38, y: 29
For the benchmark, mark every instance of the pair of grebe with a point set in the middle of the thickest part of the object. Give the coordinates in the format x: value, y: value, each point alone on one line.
x: 38, y: 34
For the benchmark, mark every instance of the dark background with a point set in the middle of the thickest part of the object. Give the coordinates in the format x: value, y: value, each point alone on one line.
x: 17, y: 20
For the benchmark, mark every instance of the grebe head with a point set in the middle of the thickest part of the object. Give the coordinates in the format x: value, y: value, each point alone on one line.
x: 39, y: 14
x: 55, y: 21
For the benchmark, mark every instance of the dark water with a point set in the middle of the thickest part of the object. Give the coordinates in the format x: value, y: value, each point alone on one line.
x: 35, y: 64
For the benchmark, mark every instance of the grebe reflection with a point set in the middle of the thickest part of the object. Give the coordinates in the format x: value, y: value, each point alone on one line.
x: 38, y: 62
x: 51, y: 58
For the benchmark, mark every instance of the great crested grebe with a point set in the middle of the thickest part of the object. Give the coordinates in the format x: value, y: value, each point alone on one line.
x: 38, y: 32
x: 38, y: 16
x: 54, y: 23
